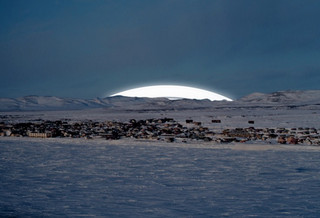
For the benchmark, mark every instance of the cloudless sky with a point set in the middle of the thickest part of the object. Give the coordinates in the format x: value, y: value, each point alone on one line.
x: 92, y: 48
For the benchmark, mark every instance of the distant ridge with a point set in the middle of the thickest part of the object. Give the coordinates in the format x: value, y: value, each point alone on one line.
x: 284, y: 97
x: 51, y: 103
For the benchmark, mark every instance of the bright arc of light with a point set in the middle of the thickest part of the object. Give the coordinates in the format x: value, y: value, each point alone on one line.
x: 172, y: 92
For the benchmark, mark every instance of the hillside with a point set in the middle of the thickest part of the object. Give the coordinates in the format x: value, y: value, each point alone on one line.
x: 51, y: 103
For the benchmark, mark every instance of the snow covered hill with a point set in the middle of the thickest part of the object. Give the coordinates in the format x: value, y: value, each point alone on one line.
x: 49, y: 103
x: 44, y: 103
x: 284, y: 97
x: 30, y: 103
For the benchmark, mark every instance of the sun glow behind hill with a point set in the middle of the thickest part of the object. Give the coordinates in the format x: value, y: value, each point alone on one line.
x: 172, y: 92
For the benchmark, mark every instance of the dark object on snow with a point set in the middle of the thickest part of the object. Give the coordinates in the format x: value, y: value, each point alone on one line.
x: 216, y: 121
x: 197, y: 123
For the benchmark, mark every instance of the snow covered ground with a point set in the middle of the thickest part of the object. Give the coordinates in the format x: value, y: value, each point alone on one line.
x: 130, y: 178
x: 126, y: 178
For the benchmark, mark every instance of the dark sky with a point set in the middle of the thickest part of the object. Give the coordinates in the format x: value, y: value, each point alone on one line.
x: 90, y: 48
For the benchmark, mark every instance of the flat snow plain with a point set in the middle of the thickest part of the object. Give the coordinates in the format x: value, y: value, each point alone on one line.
x: 127, y: 178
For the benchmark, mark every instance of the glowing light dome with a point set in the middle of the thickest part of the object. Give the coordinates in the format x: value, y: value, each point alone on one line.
x: 172, y: 92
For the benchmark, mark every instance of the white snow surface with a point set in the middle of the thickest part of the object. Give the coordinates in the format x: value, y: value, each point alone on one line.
x: 62, y: 177
x: 73, y: 178
x: 172, y: 92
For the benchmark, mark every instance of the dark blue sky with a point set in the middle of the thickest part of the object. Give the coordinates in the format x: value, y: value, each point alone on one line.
x: 89, y: 48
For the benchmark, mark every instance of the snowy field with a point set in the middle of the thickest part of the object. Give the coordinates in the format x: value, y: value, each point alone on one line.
x: 130, y: 178
x: 127, y: 178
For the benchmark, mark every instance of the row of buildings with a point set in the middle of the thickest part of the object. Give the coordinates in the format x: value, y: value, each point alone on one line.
x: 165, y: 129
